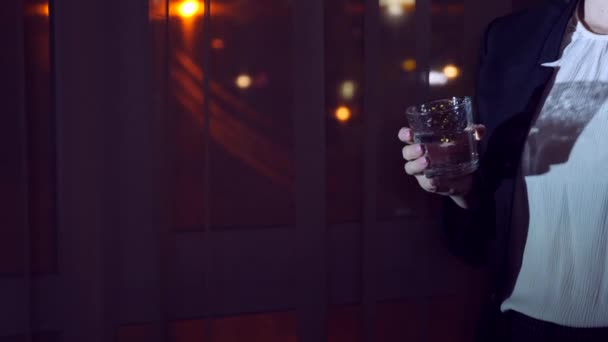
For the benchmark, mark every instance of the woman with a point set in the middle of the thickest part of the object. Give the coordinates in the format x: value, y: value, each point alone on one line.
x: 541, y: 189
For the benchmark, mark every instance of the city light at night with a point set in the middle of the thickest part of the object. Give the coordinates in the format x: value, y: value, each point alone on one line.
x: 243, y: 81
x: 437, y: 78
x: 397, y: 8
x: 37, y: 10
x: 217, y: 44
x: 409, y: 65
x: 347, y: 90
x: 343, y: 114
x: 189, y: 8
x: 451, y: 71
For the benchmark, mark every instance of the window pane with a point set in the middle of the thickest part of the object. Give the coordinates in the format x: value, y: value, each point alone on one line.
x: 250, y: 105
x: 400, y: 321
x: 187, y: 331
x: 344, y: 324
x: 447, y: 51
x: 135, y: 333
x: 12, y: 238
x: 451, y: 74
x: 453, y: 318
x: 185, y: 106
x: 251, y: 122
x: 36, y: 337
x: 270, y: 327
x: 344, y: 100
x: 265, y: 327
x: 399, y: 76
x: 40, y: 130
x: 38, y: 156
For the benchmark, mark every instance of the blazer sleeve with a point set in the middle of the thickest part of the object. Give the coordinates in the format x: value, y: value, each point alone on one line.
x: 467, y: 233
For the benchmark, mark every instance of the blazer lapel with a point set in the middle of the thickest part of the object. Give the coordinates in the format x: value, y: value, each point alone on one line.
x: 551, y: 47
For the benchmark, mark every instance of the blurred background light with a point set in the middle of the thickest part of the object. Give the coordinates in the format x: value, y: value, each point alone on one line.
x: 243, y: 81
x: 37, y: 9
x: 397, y: 8
x: 189, y: 8
x: 409, y: 65
x: 437, y: 78
x: 343, y: 114
x: 451, y: 71
x: 217, y: 44
x: 347, y: 90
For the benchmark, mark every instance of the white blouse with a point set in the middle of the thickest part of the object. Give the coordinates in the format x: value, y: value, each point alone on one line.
x: 563, y: 227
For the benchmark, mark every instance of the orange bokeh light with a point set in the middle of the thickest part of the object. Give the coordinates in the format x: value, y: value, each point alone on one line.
x: 217, y: 44
x: 243, y: 81
x: 451, y: 71
x: 37, y: 10
x: 190, y: 8
x: 409, y: 65
x: 343, y: 114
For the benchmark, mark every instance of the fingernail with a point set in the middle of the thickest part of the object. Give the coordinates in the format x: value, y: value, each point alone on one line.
x: 407, y: 135
x: 424, y: 161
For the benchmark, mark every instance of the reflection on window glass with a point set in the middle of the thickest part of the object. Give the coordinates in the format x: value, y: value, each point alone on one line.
x: 447, y: 62
x: 398, y: 194
x: 41, y: 149
x: 185, y: 111
x: 251, y: 113
x: 250, y: 105
x: 40, y: 153
x: 344, y: 100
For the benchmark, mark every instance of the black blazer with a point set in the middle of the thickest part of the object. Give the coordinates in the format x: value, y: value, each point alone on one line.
x: 510, y: 85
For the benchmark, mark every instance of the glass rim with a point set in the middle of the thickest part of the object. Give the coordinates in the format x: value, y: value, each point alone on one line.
x: 416, y: 109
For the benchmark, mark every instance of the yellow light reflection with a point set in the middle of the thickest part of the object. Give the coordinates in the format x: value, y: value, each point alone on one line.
x: 37, y: 10
x: 451, y: 71
x: 347, y: 90
x: 409, y: 65
x: 243, y: 81
x: 396, y: 8
x: 343, y: 114
x: 189, y: 8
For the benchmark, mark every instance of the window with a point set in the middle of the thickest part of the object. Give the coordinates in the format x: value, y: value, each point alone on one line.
x: 248, y: 153
x: 28, y: 195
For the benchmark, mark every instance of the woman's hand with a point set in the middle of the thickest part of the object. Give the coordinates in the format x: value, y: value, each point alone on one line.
x: 460, y: 189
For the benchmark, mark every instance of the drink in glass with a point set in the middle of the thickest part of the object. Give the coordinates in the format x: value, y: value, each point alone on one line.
x: 445, y: 129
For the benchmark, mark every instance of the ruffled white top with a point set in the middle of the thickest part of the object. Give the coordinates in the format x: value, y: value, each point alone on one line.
x: 563, y: 227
